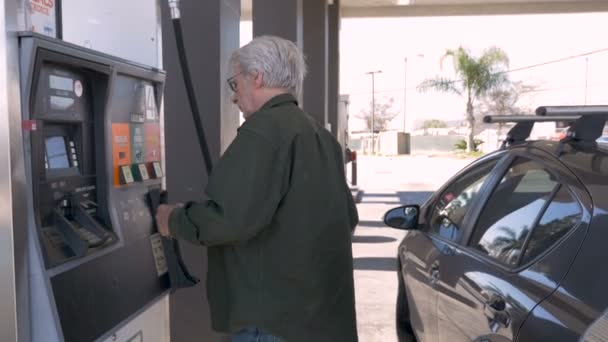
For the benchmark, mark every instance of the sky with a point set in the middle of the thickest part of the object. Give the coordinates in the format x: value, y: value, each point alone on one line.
x: 370, y: 44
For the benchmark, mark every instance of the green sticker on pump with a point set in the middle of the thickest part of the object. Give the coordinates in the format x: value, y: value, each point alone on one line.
x: 138, y: 143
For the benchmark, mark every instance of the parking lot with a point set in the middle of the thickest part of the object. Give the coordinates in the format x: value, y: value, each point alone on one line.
x: 388, y: 182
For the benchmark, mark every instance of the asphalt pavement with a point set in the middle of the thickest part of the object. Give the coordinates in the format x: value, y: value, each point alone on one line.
x: 388, y: 182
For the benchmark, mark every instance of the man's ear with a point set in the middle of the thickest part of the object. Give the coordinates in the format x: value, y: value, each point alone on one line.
x: 259, y: 80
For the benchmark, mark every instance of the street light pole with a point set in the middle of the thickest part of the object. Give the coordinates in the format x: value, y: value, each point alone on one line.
x: 373, y: 73
x: 404, y: 92
x: 420, y: 55
x: 586, y: 77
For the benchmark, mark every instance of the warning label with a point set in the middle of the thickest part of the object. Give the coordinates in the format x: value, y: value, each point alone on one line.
x: 41, y: 16
x: 159, y: 254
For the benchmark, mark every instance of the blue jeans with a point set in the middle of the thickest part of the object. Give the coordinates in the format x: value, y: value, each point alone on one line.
x: 254, y: 335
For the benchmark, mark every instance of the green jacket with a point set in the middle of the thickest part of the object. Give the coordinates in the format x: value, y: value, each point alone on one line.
x: 278, y: 224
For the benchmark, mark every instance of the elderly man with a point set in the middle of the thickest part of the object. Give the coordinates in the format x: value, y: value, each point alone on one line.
x: 279, y: 217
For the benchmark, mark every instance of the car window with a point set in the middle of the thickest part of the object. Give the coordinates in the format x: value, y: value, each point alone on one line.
x: 452, y: 205
x: 512, y: 210
x: 563, y: 214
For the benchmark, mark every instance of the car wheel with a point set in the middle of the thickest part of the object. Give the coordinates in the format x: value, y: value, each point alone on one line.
x: 405, y: 333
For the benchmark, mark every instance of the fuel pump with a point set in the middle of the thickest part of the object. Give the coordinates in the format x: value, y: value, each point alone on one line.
x: 92, y: 156
x: 92, y: 165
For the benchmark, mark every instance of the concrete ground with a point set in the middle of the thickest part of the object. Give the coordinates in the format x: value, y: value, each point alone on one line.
x: 388, y: 182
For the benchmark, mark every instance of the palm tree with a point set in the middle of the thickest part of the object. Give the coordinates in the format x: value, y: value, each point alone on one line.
x: 508, y: 241
x: 475, y: 78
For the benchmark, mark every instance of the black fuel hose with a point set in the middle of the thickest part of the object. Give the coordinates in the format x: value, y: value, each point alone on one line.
x: 198, y: 125
x: 179, y: 275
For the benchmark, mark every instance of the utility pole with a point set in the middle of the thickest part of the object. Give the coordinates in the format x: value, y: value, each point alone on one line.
x: 373, y: 73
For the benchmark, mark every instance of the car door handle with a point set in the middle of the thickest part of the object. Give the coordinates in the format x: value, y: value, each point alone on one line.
x: 495, y: 309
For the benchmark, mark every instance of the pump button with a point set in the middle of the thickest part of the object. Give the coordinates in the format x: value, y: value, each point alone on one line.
x: 156, y: 170
x: 141, y: 172
x: 126, y: 176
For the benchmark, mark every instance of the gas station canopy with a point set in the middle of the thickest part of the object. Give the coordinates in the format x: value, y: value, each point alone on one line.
x: 413, y: 8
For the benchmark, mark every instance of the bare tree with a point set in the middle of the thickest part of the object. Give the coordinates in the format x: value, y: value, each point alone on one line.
x: 505, y: 100
x: 383, y: 114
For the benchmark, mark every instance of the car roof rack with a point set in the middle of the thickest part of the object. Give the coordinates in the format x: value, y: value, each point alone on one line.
x: 588, y: 128
x: 569, y: 110
x: 586, y: 123
x: 524, y: 124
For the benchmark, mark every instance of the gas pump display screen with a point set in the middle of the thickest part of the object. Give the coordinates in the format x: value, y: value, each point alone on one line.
x: 61, y: 83
x: 57, y: 153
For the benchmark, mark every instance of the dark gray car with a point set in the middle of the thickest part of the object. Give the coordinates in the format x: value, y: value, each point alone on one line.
x: 511, y: 248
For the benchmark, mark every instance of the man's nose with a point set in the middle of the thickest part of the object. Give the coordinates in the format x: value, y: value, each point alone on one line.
x: 234, y: 99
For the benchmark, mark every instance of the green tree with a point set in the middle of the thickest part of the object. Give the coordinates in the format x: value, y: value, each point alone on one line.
x: 476, y: 76
x: 434, y: 123
x: 383, y: 114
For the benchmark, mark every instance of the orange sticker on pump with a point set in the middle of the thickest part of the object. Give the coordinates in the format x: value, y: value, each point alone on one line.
x: 121, y: 149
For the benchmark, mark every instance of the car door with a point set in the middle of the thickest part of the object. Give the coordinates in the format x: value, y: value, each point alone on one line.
x: 420, y: 250
x: 522, y: 235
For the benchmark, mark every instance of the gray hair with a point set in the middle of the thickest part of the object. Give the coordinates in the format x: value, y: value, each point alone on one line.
x: 279, y: 60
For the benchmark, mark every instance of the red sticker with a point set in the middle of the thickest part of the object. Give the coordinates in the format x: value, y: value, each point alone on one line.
x: 29, y: 125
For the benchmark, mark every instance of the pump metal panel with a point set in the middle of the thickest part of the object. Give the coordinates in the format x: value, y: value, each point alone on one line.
x: 92, y: 152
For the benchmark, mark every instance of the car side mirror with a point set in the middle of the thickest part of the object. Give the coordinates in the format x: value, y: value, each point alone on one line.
x: 405, y: 217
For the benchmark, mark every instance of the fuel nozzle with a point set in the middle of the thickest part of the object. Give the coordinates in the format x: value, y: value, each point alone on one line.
x: 174, y: 7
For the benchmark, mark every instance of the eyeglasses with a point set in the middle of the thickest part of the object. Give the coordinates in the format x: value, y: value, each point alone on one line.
x: 232, y: 82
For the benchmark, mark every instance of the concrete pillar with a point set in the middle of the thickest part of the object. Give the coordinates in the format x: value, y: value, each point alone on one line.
x: 211, y: 33
x: 333, y: 68
x: 316, y: 51
x: 282, y: 18
x: 305, y: 23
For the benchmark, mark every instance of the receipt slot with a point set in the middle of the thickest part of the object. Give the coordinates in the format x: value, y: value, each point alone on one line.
x: 92, y: 140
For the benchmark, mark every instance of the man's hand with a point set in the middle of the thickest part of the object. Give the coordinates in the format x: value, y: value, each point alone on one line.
x: 162, y: 217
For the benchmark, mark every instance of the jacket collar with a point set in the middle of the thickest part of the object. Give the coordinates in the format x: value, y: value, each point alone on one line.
x: 279, y: 100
